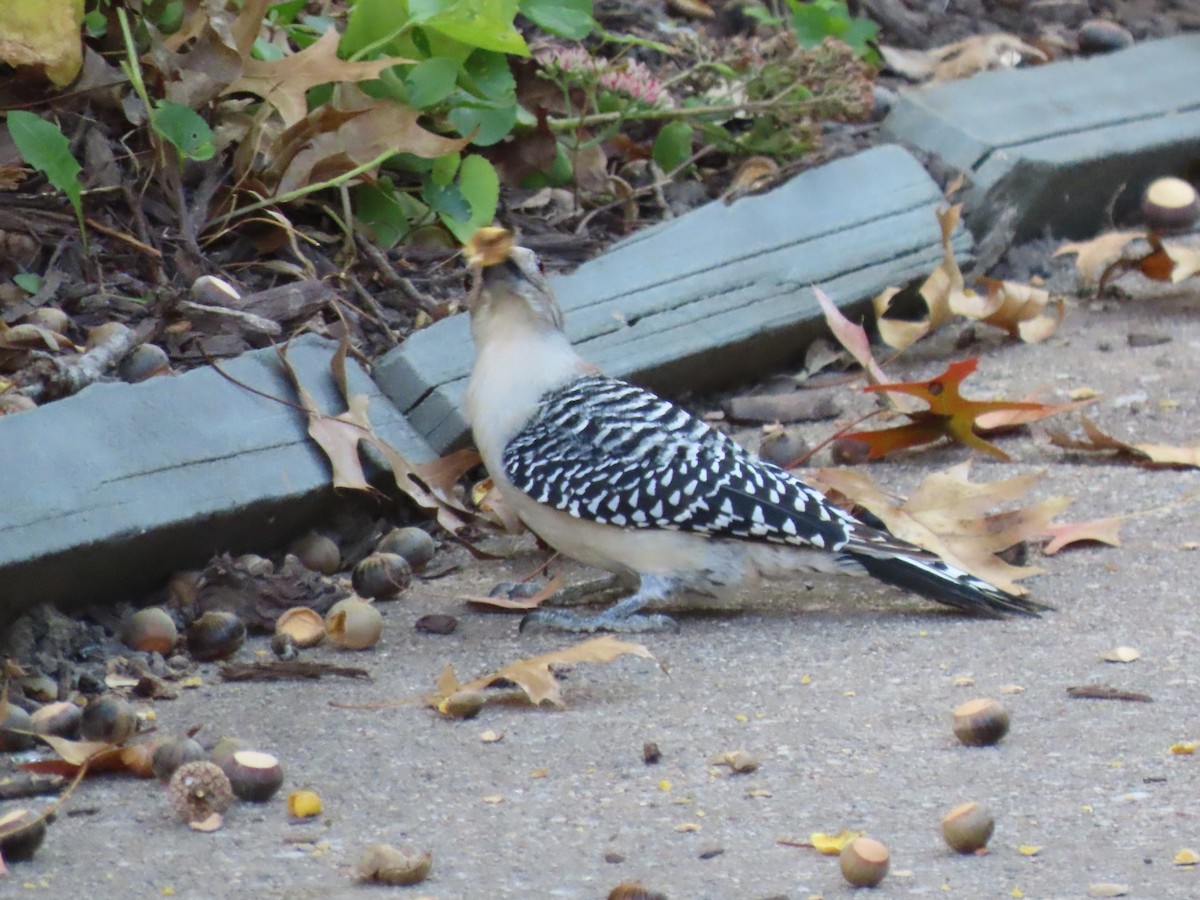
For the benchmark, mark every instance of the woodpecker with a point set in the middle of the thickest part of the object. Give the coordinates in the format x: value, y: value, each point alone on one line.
x: 614, y: 476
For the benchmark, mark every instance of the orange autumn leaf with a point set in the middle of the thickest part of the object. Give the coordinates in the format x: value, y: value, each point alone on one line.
x: 950, y: 414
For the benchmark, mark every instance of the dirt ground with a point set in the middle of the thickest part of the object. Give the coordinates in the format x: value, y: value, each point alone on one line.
x: 842, y: 691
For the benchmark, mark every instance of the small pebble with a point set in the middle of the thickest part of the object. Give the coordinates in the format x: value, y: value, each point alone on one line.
x: 1102, y: 36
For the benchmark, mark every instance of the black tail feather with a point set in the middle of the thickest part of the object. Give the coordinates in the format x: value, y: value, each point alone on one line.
x: 935, y: 580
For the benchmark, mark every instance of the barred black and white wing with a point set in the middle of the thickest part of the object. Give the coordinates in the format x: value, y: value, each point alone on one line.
x: 605, y: 450
x: 610, y: 452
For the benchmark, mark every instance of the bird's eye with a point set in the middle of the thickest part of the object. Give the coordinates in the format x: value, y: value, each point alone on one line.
x: 541, y: 266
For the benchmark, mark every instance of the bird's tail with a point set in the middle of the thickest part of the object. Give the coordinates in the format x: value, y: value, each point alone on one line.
x: 935, y: 580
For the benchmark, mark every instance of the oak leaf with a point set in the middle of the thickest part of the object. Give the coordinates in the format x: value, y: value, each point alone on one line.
x: 339, y: 437
x: 1156, y: 454
x: 535, y: 676
x: 948, y: 515
x: 284, y: 83
x: 949, y: 415
x: 1104, y: 531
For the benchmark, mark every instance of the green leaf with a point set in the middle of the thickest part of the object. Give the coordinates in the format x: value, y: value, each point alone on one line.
x: 183, y: 128
x: 479, y: 23
x: 487, y: 75
x: 379, y: 210
x: 43, y: 145
x: 431, y: 81
x: 286, y: 12
x: 445, y: 168
x: 30, y: 282
x: 479, y: 186
x: 95, y: 23
x: 571, y: 19
x: 446, y: 200
x: 493, y: 122
x: 673, y: 146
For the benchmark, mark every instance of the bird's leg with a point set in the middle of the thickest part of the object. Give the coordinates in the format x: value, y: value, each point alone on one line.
x: 623, y: 616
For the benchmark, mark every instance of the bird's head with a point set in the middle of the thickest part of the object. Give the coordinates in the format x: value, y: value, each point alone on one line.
x: 508, y: 279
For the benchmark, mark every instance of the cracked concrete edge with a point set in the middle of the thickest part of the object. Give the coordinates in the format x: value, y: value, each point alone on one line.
x: 1067, y: 145
x: 109, y: 491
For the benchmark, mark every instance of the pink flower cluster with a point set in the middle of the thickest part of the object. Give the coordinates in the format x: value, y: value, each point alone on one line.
x: 626, y: 76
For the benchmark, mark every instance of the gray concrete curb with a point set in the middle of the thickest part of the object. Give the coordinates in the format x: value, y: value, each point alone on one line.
x: 107, y: 492
x: 1058, y: 144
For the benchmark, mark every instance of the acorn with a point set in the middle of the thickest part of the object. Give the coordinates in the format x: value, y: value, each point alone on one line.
x: 198, y: 790
x: 354, y: 624
x: 305, y: 627
x: 222, y: 751
x: 58, y: 719
x: 138, y: 758
x: 382, y: 576
x: 284, y: 647
x: 414, y: 544
x: 386, y: 864
x: 864, y: 862
x: 634, y: 890
x: 847, y: 451
x: 215, y: 635
x: 317, y: 552
x: 173, y: 753
x: 968, y: 828
x: 108, y: 718
x: 151, y: 630
x: 463, y: 704
x: 50, y: 318
x: 1170, y: 205
x: 143, y: 362
x: 21, y: 833
x: 213, y: 291
x: 980, y: 723
x: 15, y: 721
x: 255, y: 777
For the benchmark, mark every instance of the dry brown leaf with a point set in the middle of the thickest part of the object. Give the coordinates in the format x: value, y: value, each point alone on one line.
x: 1186, y: 260
x: 97, y: 756
x: 552, y: 587
x: 981, y: 53
x: 284, y: 83
x: 1096, y: 255
x: 694, y: 9
x: 339, y: 437
x: 534, y: 675
x: 858, y: 345
x: 941, y: 290
x: 946, y: 515
x: 1017, y: 308
x: 961, y: 59
x: 1104, y: 531
x: 752, y: 175
x: 1097, y: 440
x: 357, y: 129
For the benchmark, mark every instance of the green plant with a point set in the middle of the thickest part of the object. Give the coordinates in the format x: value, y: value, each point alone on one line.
x: 461, y: 82
x: 820, y: 19
x: 43, y: 146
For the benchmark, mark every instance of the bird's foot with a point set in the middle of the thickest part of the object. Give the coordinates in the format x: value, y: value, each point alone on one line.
x: 609, y: 620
